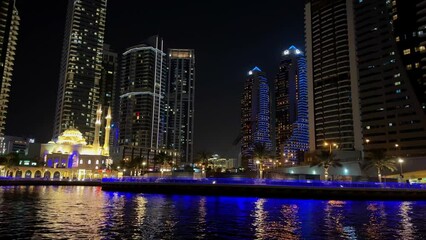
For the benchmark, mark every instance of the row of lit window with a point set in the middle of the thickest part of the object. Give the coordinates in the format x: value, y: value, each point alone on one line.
x: 90, y: 161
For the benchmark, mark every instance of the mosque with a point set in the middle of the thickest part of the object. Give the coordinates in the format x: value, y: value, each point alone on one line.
x: 74, y: 157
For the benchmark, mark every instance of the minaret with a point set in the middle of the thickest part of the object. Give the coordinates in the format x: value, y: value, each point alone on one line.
x: 97, y: 127
x: 107, y: 131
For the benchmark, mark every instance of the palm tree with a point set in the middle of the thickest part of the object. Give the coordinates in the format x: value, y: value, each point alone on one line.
x: 378, y: 159
x: 161, y: 158
x: 325, y: 159
x: 135, y: 163
x: 260, y: 153
x: 203, y: 158
x: 9, y: 160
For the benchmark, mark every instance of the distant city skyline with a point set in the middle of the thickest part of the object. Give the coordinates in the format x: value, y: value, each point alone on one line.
x: 227, y: 45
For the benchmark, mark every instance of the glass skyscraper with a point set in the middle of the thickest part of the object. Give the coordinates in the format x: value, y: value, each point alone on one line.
x: 180, y: 103
x: 291, y: 107
x: 9, y: 26
x: 81, y: 66
x: 142, y: 99
x: 255, y: 115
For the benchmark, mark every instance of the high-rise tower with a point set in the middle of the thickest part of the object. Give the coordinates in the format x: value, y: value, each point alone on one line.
x: 291, y: 107
x: 391, y: 76
x: 142, y: 99
x: 108, y: 87
x: 255, y: 115
x: 78, y: 91
x: 9, y: 26
x: 180, y: 103
x: 334, y: 114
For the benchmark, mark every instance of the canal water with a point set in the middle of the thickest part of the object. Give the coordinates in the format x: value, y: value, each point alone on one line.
x: 76, y: 212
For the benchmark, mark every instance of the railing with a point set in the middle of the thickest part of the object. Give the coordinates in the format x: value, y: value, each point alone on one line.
x: 272, y: 182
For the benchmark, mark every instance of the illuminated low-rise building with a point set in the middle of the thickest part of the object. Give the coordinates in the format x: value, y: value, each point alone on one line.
x: 72, y: 151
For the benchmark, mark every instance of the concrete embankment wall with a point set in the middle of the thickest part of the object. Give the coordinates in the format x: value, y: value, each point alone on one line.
x: 36, y: 182
x: 268, y: 191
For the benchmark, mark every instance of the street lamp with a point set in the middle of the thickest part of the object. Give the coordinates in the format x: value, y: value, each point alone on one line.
x: 143, y: 167
x: 259, y: 168
x: 330, y: 145
x: 400, y: 160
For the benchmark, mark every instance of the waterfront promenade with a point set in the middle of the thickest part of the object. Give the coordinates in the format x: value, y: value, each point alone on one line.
x: 246, y: 187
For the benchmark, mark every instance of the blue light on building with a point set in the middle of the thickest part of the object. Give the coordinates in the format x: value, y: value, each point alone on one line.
x: 255, y: 115
x: 291, y: 91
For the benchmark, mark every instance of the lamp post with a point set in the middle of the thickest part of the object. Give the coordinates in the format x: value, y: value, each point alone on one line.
x: 330, y: 145
x: 329, y: 160
x: 400, y: 160
x: 259, y: 168
x: 143, y: 167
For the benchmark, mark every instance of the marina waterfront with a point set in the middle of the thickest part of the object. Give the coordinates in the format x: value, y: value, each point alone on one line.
x: 88, y: 212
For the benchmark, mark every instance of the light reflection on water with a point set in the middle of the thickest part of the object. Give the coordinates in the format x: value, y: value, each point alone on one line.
x: 46, y: 212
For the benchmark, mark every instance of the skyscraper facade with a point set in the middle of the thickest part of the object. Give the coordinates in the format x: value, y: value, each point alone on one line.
x: 408, y: 21
x: 180, y: 103
x: 391, y: 81
x: 81, y: 67
x: 9, y: 26
x: 291, y: 107
x: 255, y: 115
x: 108, y: 85
x: 142, y: 99
x: 334, y: 114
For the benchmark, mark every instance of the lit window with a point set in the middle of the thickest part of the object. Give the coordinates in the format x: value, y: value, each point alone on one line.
x: 397, y: 39
x: 97, y: 161
x: 407, y: 51
x: 368, y: 127
x: 409, y: 67
x: 422, y: 48
x: 397, y: 83
x: 89, y: 161
x: 417, y: 65
x: 81, y: 161
x: 398, y: 91
x: 394, y: 17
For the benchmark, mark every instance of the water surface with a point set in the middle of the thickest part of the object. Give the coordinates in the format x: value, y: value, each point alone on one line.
x: 77, y: 212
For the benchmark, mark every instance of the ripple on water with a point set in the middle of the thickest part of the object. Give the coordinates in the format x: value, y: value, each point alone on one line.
x: 71, y: 212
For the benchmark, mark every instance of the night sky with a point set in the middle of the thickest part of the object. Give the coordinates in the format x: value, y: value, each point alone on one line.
x: 229, y: 39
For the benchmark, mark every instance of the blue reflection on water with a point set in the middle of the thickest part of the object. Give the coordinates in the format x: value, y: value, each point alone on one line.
x: 88, y: 212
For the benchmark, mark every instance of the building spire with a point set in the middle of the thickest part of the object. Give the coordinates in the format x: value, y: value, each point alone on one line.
x: 107, y: 132
x: 97, y: 126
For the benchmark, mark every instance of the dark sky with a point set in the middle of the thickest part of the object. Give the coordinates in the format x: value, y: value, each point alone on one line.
x: 229, y: 39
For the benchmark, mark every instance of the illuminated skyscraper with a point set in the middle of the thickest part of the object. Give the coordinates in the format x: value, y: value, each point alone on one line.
x: 142, y: 99
x: 180, y: 103
x: 334, y: 113
x: 9, y: 26
x: 80, y: 76
x: 291, y: 107
x: 255, y: 115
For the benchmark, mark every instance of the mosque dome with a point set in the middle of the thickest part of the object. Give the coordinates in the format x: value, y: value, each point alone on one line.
x: 71, y: 136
